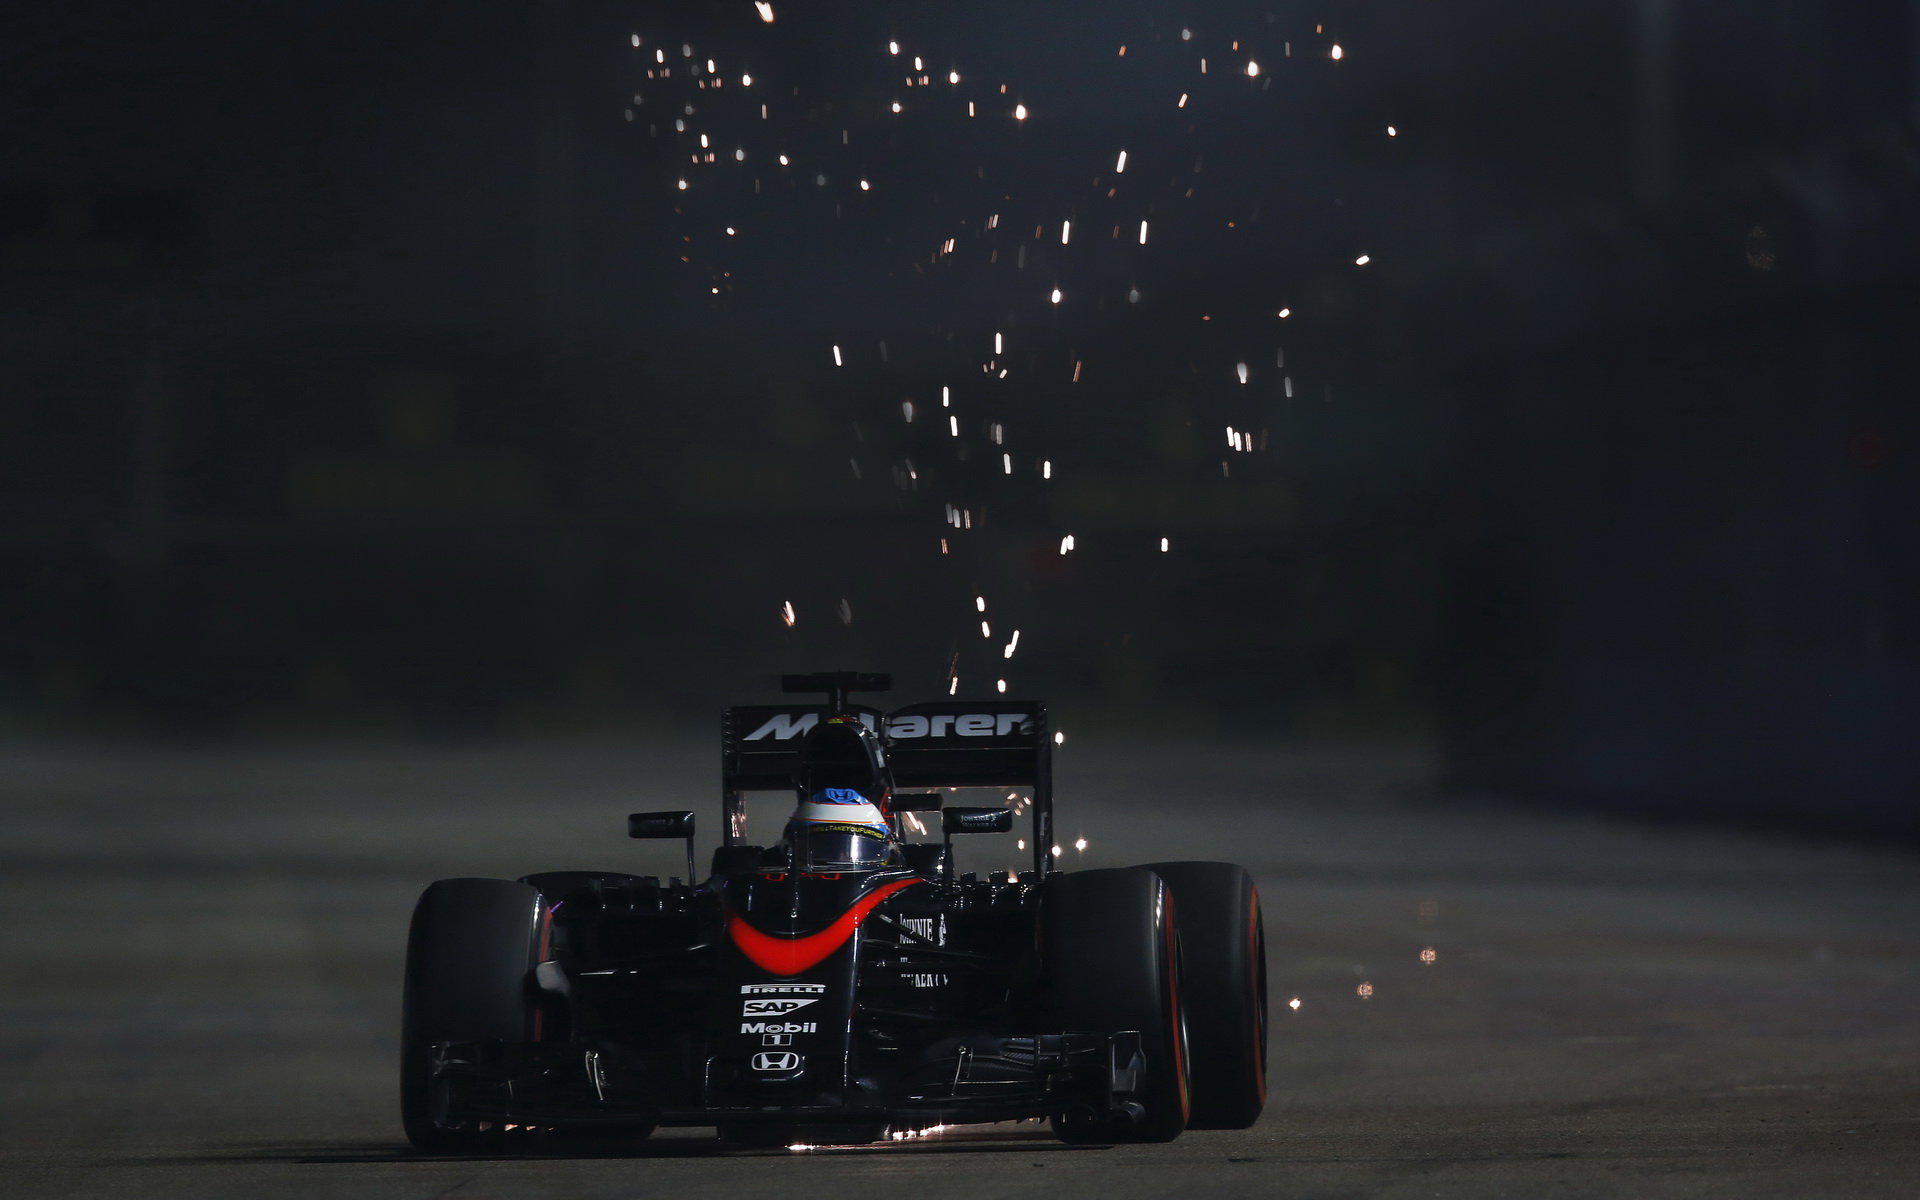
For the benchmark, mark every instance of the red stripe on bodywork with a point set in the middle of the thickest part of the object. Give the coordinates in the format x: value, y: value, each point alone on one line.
x: 792, y: 955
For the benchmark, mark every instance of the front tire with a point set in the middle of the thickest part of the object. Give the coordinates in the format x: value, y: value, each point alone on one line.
x: 1110, y: 952
x: 1223, y: 982
x: 470, y: 955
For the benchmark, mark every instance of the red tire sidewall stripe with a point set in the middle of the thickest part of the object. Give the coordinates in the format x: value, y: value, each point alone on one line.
x: 1173, y: 996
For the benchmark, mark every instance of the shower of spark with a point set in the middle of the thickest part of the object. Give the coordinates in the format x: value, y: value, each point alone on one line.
x: 955, y: 207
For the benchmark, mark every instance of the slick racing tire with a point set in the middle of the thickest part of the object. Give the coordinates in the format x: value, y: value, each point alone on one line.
x: 1223, y: 983
x: 1110, y: 953
x: 470, y: 956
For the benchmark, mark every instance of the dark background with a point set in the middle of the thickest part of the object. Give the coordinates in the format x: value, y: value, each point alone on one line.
x: 365, y: 372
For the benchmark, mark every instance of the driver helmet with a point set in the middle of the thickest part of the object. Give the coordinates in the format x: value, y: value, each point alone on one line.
x: 840, y: 821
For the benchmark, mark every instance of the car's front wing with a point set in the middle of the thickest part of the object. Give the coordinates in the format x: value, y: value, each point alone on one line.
x: 963, y: 1080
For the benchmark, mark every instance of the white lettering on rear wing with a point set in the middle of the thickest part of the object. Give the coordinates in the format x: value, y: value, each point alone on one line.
x: 787, y: 726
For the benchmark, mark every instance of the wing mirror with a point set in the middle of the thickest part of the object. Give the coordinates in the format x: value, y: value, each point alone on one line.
x: 976, y: 820
x: 916, y: 801
x: 665, y: 825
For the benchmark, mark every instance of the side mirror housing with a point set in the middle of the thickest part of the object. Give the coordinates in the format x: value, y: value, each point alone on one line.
x: 665, y: 825
x: 976, y: 820
x: 660, y: 825
x: 916, y: 801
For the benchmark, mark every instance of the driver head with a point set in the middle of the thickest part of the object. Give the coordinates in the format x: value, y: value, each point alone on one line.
x: 841, y: 819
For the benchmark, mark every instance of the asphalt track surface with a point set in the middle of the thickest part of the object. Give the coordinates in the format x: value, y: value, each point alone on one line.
x: 203, y: 951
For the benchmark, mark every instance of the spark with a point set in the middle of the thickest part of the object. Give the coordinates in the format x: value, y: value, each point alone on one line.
x: 1428, y: 956
x: 1080, y: 844
x: 953, y: 425
x: 893, y: 47
x: 1163, y: 545
x: 946, y: 397
x: 765, y: 10
x: 896, y: 106
x: 1336, y: 54
x: 1186, y: 35
x: 1019, y: 112
x: 846, y: 612
x: 1285, y: 313
x: 986, y: 630
x: 1392, y: 132
x: 865, y: 186
x: 917, y: 64
x: 906, y: 411
x: 683, y: 185
x: 1253, y: 70
x: 1240, y: 369
x: 999, y: 345
x: 953, y: 686
x: 1001, y: 684
x: 1363, y: 260
x: 1057, y: 852
x: 1020, y: 844
x: 1066, y: 544
x: 1364, y: 991
x: 1120, y: 166
x: 784, y: 160
x: 1046, y: 468
x: 953, y: 77
x: 1183, y: 101
x: 1012, y: 645
x: 636, y: 41
x: 786, y: 613
x: 1066, y: 231
x: 1059, y: 739
x: 1006, y: 461
x: 837, y: 360
x: 980, y: 603
x: 1056, y: 296
x: 1294, y: 1004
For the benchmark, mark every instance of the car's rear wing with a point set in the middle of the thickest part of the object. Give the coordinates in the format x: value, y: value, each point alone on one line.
x: 945, y: 743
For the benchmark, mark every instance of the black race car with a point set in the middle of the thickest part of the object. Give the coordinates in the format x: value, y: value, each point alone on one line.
x: 843, y: 983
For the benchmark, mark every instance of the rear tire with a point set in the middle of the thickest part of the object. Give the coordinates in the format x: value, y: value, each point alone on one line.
x: 470, y: 954
x: 1223, y: 983
x: 1110, y: 954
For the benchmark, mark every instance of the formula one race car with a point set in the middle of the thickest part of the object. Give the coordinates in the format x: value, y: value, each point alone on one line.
x: 842, y: 983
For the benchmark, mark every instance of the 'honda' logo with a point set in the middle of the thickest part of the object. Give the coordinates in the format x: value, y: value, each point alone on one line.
x: 778, y: 1060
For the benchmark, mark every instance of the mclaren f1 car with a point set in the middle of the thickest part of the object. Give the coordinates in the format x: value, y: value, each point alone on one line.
x: 846, y: 981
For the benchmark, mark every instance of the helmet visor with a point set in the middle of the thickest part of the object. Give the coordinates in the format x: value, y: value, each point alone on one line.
x: 837, y: 847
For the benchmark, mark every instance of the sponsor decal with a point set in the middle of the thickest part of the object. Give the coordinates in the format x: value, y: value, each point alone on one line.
x: 776, y: 1060
x: 783, y: 989
x: 779, y: 1027
x: 838, y: 796
x: 776, y: 1039
x: 771, y: 1008
x: 869, y: 831
x: 916, y: 725
x: 784, y: 727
